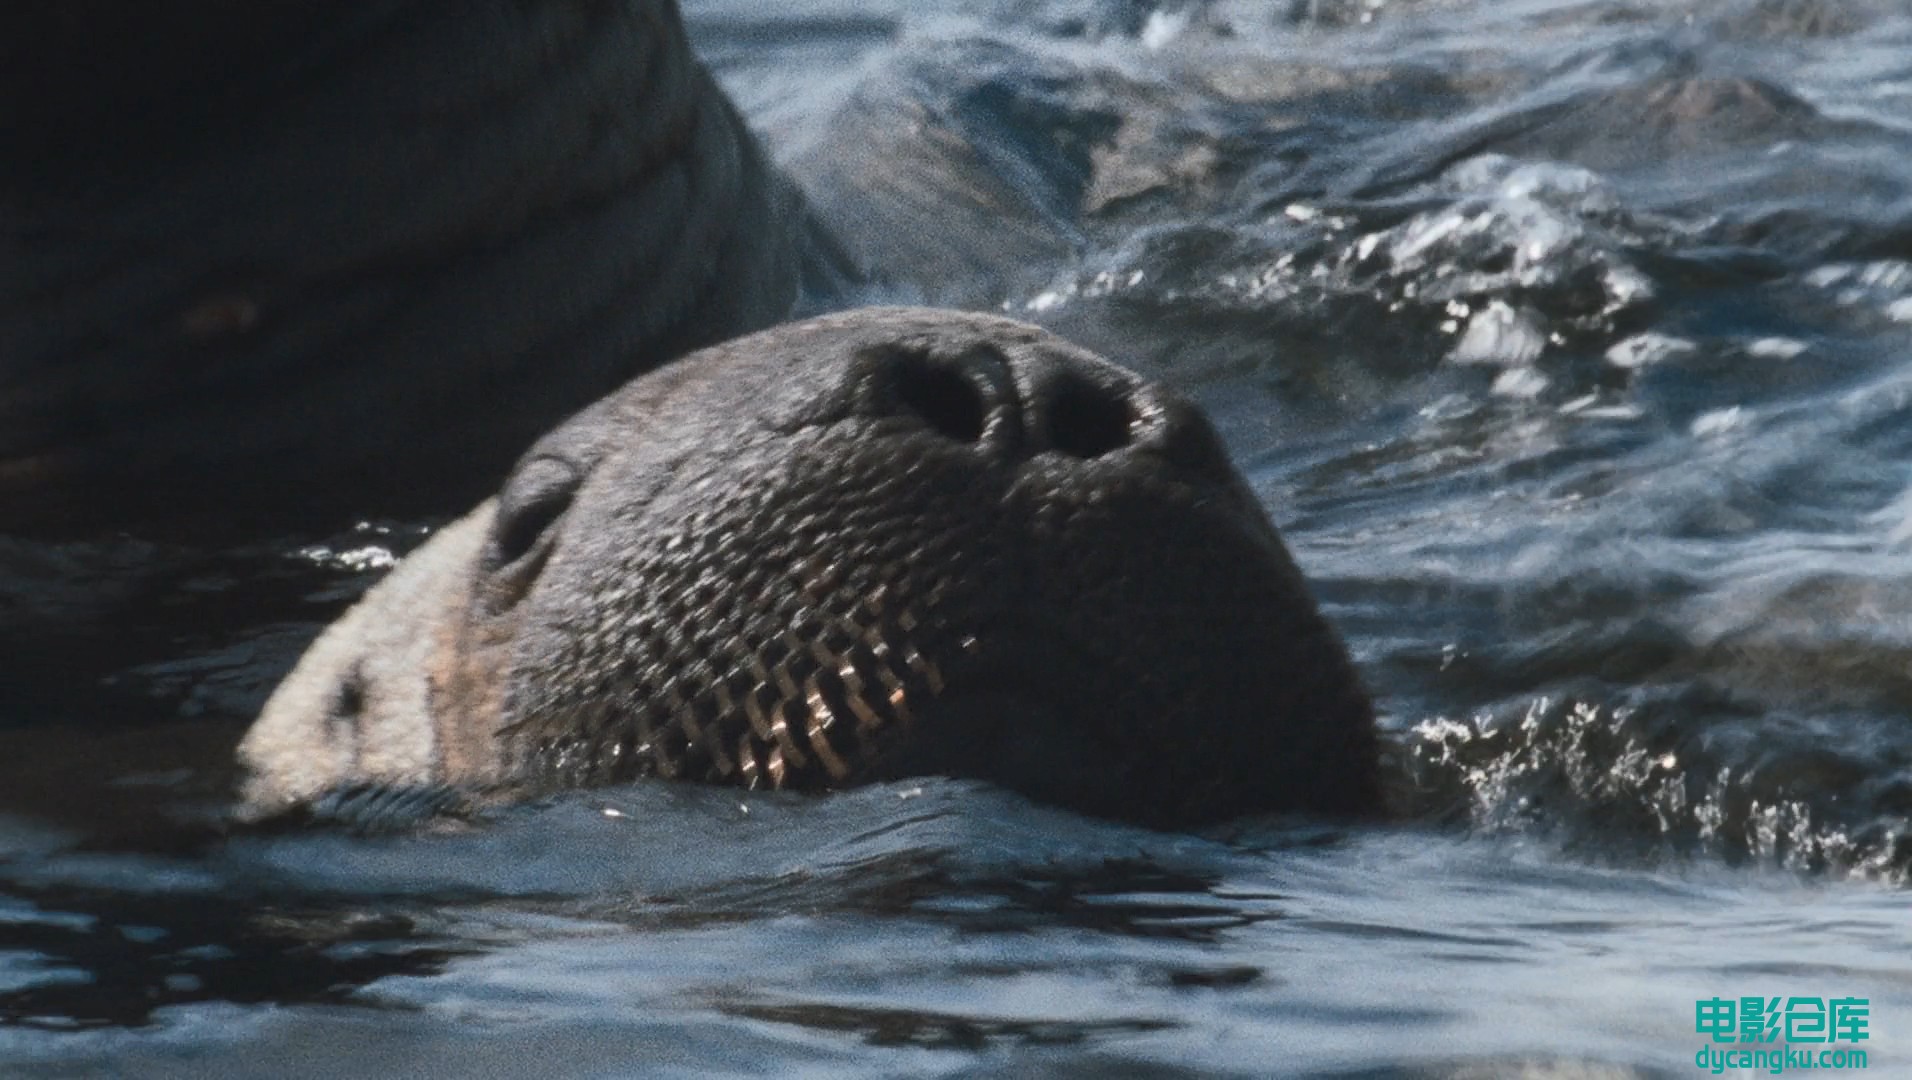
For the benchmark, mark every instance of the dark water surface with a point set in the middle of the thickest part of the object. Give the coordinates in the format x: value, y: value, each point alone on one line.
x: 1569, y: 343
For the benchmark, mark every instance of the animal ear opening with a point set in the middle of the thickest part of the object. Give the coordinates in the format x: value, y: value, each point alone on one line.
x: 533, y: 502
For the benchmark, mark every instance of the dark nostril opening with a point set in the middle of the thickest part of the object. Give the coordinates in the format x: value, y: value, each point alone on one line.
x: 1088, y: 421
x: 951, y: 404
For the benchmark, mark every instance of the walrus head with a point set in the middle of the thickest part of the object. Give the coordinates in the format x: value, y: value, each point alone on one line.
x: 888, y: 543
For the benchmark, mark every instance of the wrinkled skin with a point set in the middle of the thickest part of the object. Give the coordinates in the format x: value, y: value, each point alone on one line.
x: 288, y: 265
x: 889, y: 543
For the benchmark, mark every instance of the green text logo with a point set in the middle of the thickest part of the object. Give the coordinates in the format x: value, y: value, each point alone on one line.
x: 1757, y: 1026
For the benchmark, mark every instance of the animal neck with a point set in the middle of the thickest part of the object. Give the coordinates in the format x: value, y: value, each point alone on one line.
x: 222, y: 214
x: 92, y: 82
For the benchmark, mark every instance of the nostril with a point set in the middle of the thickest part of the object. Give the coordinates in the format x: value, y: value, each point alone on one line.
x: 948, y: 402
x: 1088, y: 421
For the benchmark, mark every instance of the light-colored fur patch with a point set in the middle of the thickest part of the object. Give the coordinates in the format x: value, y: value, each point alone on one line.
x: 358, y: 708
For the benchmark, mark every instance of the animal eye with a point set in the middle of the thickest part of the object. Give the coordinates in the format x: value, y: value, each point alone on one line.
x: 534, y: 499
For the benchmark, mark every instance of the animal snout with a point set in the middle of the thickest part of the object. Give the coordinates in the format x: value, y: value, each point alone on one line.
x: 1053, y: 406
